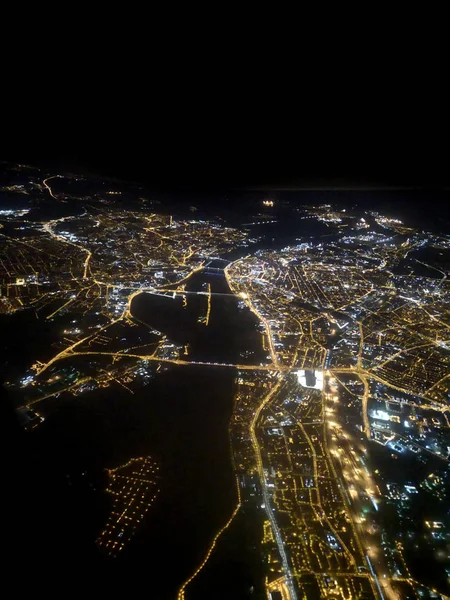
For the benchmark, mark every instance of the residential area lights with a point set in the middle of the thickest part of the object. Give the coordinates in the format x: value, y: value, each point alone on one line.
x: 354, y: 376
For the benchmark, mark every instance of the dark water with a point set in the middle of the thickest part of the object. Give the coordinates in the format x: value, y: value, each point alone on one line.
x: 22, y: 339
x: 180, y: 419
x: 230, y: 335
x: 187, y: 431
x: 186, y: 422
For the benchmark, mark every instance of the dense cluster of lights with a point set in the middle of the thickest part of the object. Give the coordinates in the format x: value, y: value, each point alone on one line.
x: 356, y: 357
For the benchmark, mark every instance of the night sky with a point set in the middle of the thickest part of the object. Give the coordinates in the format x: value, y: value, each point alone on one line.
x: 202, y: 138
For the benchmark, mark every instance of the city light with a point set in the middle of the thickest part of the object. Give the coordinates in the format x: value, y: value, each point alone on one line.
x: 331, y: 340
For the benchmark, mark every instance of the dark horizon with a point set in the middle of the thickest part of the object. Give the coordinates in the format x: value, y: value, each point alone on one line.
x: 271, y: 182
x: 198, y: 155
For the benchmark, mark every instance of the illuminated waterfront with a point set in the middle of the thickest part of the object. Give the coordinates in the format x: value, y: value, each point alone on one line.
x: 289, y: 371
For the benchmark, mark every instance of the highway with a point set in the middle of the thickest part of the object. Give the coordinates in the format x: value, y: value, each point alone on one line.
x: 267, y: 501
x: 48, y: 187
x: 287, y: 584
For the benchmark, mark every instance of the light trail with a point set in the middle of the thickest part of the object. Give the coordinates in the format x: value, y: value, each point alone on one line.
x: 48, y: 187
x: 86, y: 263
x: 314, y: 287
x: 199, y: 293
x: 47, y: 227
x: 66, y: 303
x: 361, y: 345
x: 150, y: 357
x: 175, y: 361
x: 180, y: 595
x: 209, y: 305
x: 365, y: 399
x: 374, y: 575
x: 275, y: 528
x: 357, y: 531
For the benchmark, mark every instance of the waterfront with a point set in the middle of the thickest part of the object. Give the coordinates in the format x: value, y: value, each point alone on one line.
x: 188, y: 411
x: 126, y: 355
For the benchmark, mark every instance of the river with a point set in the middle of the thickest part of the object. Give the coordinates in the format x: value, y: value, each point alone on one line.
x: 189, y: 408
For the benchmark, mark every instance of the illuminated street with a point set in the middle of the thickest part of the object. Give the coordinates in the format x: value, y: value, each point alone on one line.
x: 338, y: 428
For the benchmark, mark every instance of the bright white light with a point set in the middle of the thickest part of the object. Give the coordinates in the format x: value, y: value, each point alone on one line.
x: 317, y: 375
x: 380, y: 414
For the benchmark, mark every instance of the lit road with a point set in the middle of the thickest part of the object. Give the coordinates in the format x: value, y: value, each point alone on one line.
x: 48, y: 187
x: 303, y: 343
x: 181, y: 592
x: 262, y: 478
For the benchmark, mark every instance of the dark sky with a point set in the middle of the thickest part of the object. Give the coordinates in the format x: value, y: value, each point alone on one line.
x: 202, y: 135
x: 204, y: 111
